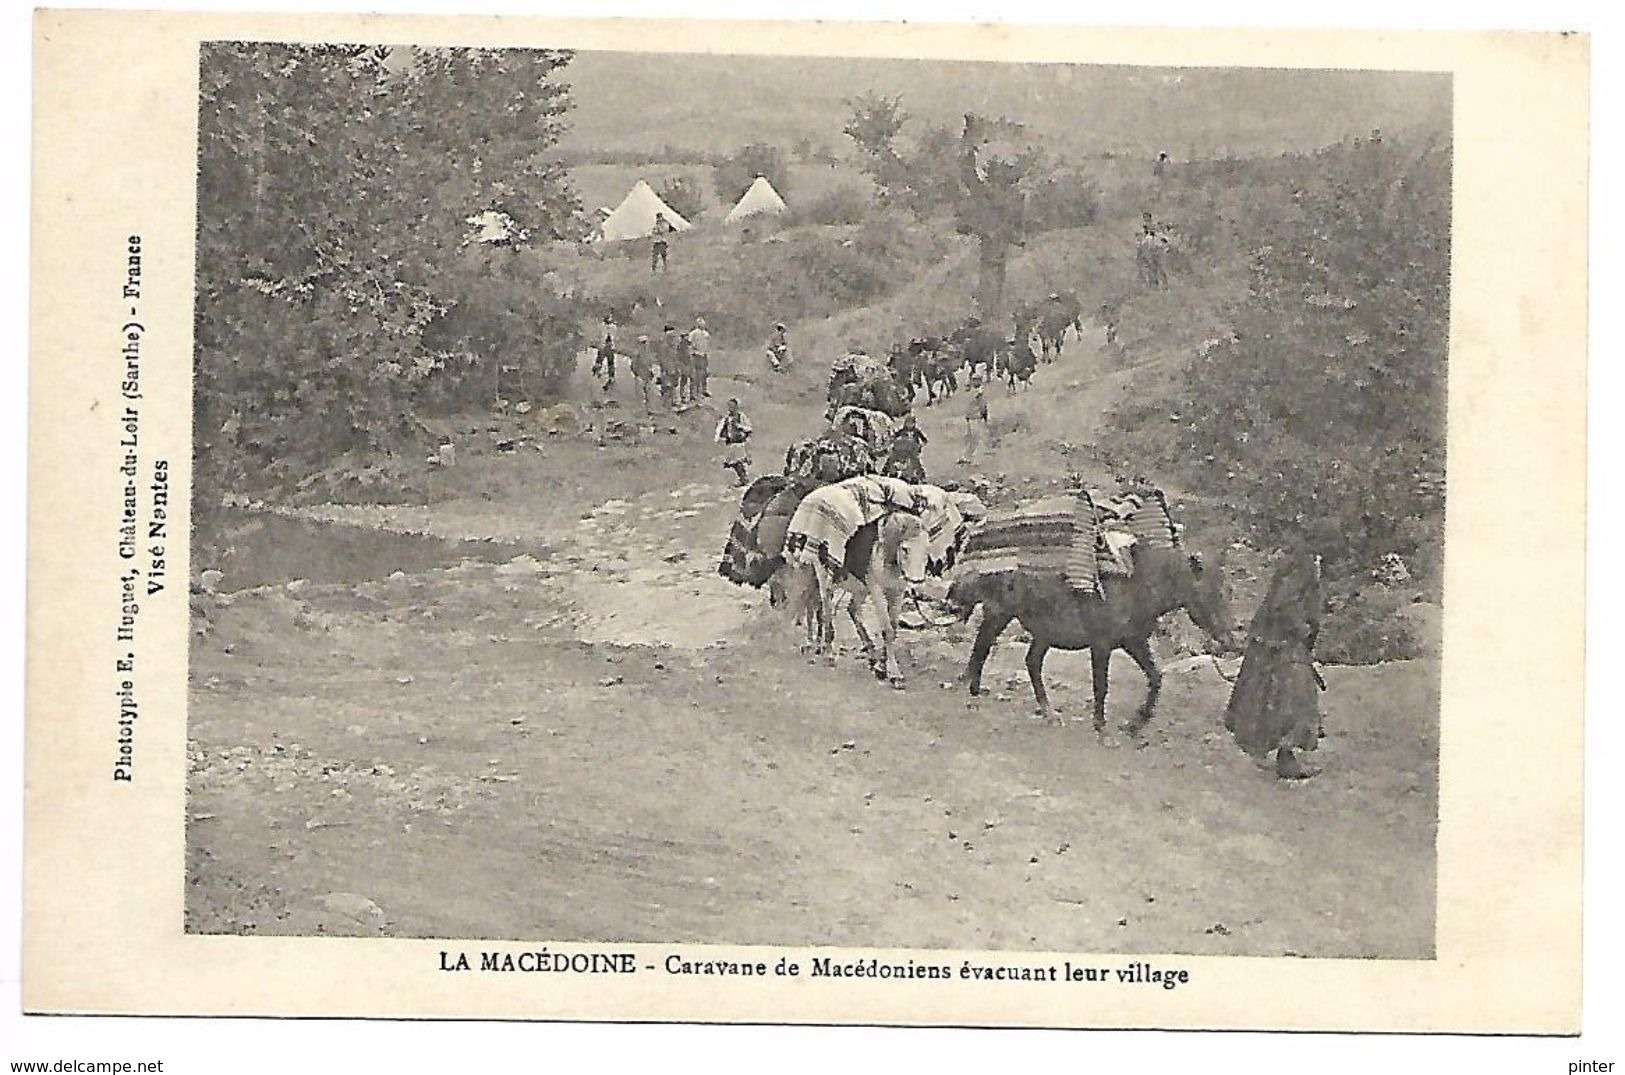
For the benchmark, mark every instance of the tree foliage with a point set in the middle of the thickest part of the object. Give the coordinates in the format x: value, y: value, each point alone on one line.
x: 334, y: 188
x: 874, y: 126
x: 735, y: 172
x: 1326, y: 404
x: 682, y: 196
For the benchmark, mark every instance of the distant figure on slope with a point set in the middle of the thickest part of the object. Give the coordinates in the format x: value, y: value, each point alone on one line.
x: 674, y: 367
x: 660, y: 242
x: 732, y: 432
x: 604, y: 363
x: 1275, y: 706
x: 646, y: 369
x: 904, y: 459
x: 699, y: 357
x: 778, y: 349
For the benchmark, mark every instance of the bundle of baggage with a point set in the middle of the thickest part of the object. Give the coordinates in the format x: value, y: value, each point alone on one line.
x: 1084, y: 538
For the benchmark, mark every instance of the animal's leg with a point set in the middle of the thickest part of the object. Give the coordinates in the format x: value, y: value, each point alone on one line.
x: 992, y: 625
x: 811, y: 609
x: 864, y: 636
x: 1035, y: 672
x: 1141, y: 652
x: 891, y: 660
x: 1100, y: 662
x: 826, y: 617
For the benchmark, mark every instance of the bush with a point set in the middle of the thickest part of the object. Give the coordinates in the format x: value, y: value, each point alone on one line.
x: 328, y: 213
x: 681, y: 195
x: 1325, y: 404
x: 844, y: 203
x: 1370, y: 626
x: 738, y: 170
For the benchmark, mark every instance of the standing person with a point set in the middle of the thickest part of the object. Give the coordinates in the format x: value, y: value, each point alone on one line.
x: 1275, y: 705
x: 660, y: 239
x: 671, y: 366
x: 699, y: 356
x: 975, y: 422
x: 904, y: 459
x: 605, y: 362
x: 778, y: 349
x: 732, y: 433
x: 646, y: 371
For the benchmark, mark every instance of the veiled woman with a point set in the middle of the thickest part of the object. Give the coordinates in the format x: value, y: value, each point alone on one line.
x: 1275, y: 704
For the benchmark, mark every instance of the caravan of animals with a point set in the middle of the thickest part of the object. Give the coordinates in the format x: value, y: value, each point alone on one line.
x: 906, y: 551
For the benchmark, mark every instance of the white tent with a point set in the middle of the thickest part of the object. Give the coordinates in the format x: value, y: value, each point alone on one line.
x: 760, y: 198
x: 634, y: 218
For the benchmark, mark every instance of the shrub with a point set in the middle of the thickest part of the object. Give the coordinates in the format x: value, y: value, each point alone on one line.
x: 738, y: 170
x: 1326, y: 402
x: 1369, y: 626
x: 844, y: 203
x: 681, y: 195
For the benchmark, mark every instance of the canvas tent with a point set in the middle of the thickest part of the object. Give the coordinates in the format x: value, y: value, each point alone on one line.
x: 760, y: 198
x: 634, y: 218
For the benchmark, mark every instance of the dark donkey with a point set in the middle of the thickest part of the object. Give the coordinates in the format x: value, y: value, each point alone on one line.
x: 1059, y: 617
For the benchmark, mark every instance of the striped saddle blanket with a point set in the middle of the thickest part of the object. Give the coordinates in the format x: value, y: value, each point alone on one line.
x: 755, y: 542
x: 829, y: 515
x: 1082, y: 538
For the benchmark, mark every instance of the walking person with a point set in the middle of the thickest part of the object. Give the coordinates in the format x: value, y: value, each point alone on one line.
x: 1275, y: 704
x: 699, y: 356
x: 660, y: 239
x: 975, y: 422
x: 732, y: 433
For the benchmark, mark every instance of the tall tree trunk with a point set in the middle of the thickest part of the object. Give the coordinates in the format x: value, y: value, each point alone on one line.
x: 990, y: 282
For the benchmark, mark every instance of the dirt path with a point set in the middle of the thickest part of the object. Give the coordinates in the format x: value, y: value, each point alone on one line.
x: 607, y: 742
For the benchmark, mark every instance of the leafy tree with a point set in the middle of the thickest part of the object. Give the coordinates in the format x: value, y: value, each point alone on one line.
x: 1327, y: 402
x: 735, y: 172
x: 333, y: 192
x: 875, y: 123
x: 681, y: 195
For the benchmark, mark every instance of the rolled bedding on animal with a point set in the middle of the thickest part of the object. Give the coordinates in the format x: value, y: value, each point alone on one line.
x: 755, y: 544
x: 1082, y: 538
x: 1083, y: 569
x: 878, y: 427
x: 1036, y: 538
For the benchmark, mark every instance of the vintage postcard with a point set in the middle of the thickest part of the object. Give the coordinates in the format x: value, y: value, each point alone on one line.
x: 806, y: 523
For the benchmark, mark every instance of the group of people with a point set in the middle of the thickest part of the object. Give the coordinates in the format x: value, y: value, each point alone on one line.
x: 674, y: 369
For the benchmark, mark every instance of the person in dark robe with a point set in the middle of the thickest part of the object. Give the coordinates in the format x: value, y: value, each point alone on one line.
x: 904, y: 459
x: 1275, y: 703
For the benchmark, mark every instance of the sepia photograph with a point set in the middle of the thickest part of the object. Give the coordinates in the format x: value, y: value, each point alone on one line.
x: 808, y: 501
x: 815, y: 524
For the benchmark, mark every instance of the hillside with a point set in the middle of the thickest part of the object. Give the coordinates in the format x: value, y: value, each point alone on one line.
x: 627, y: 102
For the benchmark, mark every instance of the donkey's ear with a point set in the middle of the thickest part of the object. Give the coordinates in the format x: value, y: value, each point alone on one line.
x: 1197, y: 567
